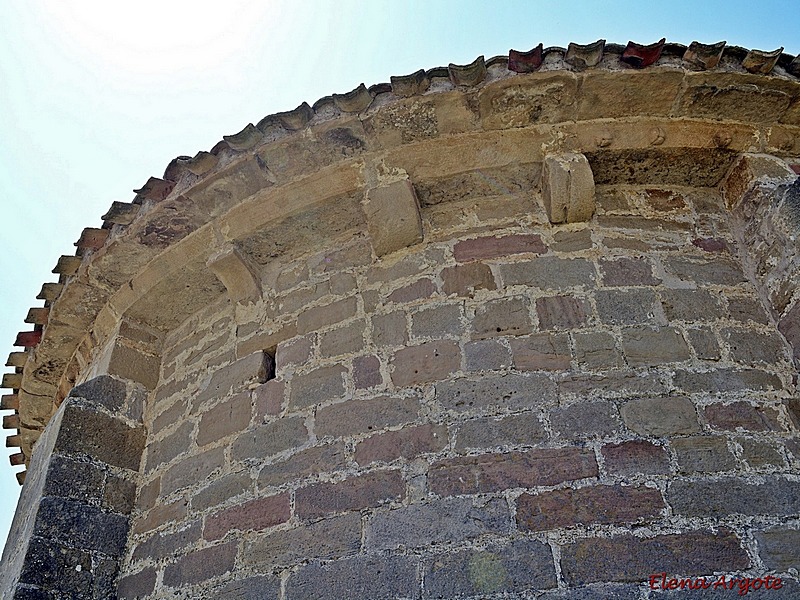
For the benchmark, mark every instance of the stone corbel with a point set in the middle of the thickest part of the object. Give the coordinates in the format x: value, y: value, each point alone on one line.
x: 568, y: 188
x: 393, y: 218
x: 236, y: 273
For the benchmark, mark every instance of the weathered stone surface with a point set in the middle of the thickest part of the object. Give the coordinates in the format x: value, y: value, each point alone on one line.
x: 486, y: 355
x: 585, y: 420
x: 251, y: 588
x: 549, y: 273
x: 567, y: 188
x: 484, y: 248
x: 270, y: 438
x: 426, y: 362
x: 375, y: 577
x: 660, y: 416
x: 362, y: 415
x: 628, y: 558
x: 317, y: 386
x: 235, y: 377
x: 635, y: 456
x: 448, y: 520
x: 522, y: 565
x: 562, y: 312
x: 355, y: 493
x: 596, y: 350
x: 588, y: 505
x: 541, y: 352
x: 506, y: 392
x: 626, y: 307
x: 464, y: 280
x: 225, y: 419
x: 393, y: 219
x: 646, y: 346
x: 319, y: 459
x: 200, y: 565
x: 778, y: 548
x: 257, y: 514
x: 496, y: 472
x: 730, y: 496
x: 407, y: 443
x: 703, y: 454
x: 506, y: 316
x: 524, y: 429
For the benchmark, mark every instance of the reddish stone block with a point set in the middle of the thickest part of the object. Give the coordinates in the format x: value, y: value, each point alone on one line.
x: 361, y: 415
x: 541, y: 352
x: 406, y: 443
x: 322, y: 316
x: 201, y: 565
x: 137, y: 585
x: 365, y: 491
x: 269, y: 398
x: 28, y: 339
x: 464, y: 280
x: 431, y: 361
x: 504, y: 316
x: 561, y: 312
x: 635, y: 457
x: 497, y: 472
x: 366, y: 372
x: 629, y: 558
x: 225, y: 419
x: 422, y: 288
x: 742, y: 415
x: 627, y: 271
x: 589, y: 505
x: 254, y: 515
x: 493, y: 247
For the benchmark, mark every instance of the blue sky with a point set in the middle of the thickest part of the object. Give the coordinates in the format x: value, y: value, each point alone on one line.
x: 97, y: 96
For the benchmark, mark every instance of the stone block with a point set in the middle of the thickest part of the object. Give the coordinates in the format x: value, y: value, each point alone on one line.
x: 549, y: 272
x: 431, y: 361
x: 759, y: 454
x: 504, y: 316
x: 497, y: 472
x: 257, y: 514
x: 690, y: 305
x: 599, y: 504
x: 500, y: 392
x: 406, y: 443
x: 236, y: 273
x: 367, y: 372
x: 585, y: 420
x: 721, y: 271
x: 104, y: 390
x: 159, y: 515
x: 734, y: 496
x: 660, y: 416
x: 484, y: 248
x: 270, y: 438
x: 436, y: 522
x: 192, y: 470
x: 562, y: 312
x: 389, y: 329
x: 703, y: 454
x: 572, y: 241
x: 224, y: 419
x: 778, y: 549
x: 751, y: 170
x: 704, y: 343
x: 221, y: 490
x: 541, y: 352
x: 635, y: 457
x: 169, y: 447
x: 49, y: 566
x: 257, y: 587
x: 742, y: 416
x: 726, y: 380
x: 524, y: 429
x: 73, y: 523
x: 486, y: 355
x: 100, y: 436
x: 269, y: 398
x: 254, y: 368
x: 629, y: 558
x: 295, y: 351
x: 568, y: 188
x: 436, y: 322
x: 646, y: 346
x: 315, y: 387
x: 596, y: 351
x: 201, y: 565
x: 327, y: 539
x: 753, y: 348
x: 166, y: 545
x: 465, y: 280
x: 318, y: 317
x: 521, y: 565
x: 419, y: 289
x: 626, y: 272
x: 355, y: 493
x: 626, y: 307
x: 137, y: 585
x: 319, y: 459
x: 362, y: 415
x: 374, y: 577
x: 342, y: 340
x: 393, y: 218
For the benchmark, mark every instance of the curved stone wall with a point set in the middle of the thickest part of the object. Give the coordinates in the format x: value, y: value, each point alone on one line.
x: 477, y: 334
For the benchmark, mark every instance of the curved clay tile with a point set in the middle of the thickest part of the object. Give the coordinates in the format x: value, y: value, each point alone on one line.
x: 640, y: 56
x: 525, y: 62
x: 794, y: 66
x: 410, y: 85
x: 760, y: 62
x: 91, y: 239
x: 704, y: 56
x: 583, y: 56
x: 245, y: 139
x: 380, y: 88
x: 28, y: 339
x: 155, y: 189
x: 468, y: 75
x: 354, y: 101
x: 201, y: 163
x: 297, y: 118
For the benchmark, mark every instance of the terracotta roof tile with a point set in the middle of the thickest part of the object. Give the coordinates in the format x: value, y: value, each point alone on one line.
x: 761, y: 62
x: 704, y: 56
x: 525, y: 62
x: 468, y: 75
x: 640, y: 56
x: 244, y: 140
x: 354, y: 101
x: 585, y: 56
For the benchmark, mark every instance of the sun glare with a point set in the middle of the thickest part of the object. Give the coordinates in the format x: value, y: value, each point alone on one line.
x: 154, y: 37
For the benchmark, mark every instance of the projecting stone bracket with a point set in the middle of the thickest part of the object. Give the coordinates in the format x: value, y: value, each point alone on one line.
x: 236, y: 273
x: 393, y: 218
x: 568, y: 188
x: 754, y: 174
